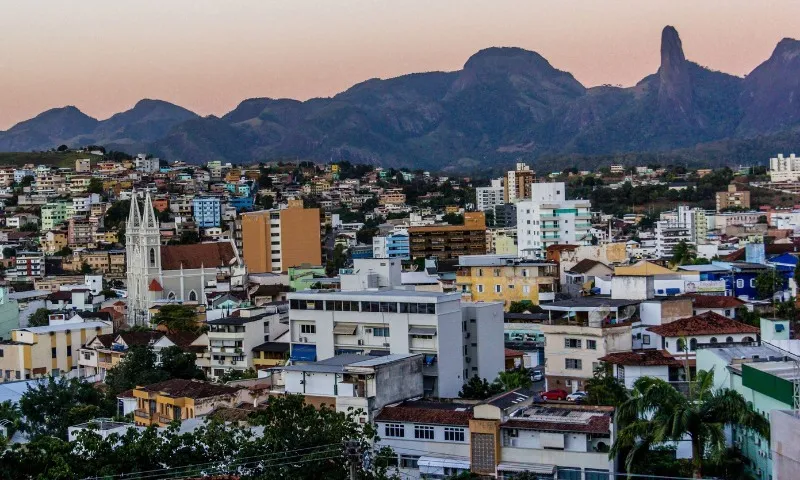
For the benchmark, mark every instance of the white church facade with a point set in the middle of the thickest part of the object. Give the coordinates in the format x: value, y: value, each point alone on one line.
x: 161, y: 274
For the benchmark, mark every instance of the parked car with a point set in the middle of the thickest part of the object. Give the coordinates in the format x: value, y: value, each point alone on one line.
x: 537, y: 376
x: 576, y: 396
x: 554, y: 395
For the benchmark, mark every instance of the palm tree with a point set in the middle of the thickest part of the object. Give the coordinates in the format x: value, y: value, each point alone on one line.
x: 683, y: 253
x: 657, y: 413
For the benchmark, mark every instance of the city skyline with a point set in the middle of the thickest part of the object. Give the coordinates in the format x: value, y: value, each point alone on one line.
x: 208, y: 57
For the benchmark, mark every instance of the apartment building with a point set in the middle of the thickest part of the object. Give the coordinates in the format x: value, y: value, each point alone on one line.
x: 232, y: 339
x: 733, y: 198
x: 548, y: 218
x: 518, y: 183
x: 505, y: 215
x: 784, y: 169
x: 83, y: 165
x: 35, y: 352
x: 392, y: 196
x: 394, y: 245
x: 486, y: 198
x: 450, y: 241
x: 459, y: 340
x: 274, y: 240
x: 178, y: 399
x: 506, y: 279
x: 80, y: 231
x: 669, y: 235
x: 207, y: 211
x: 105, y: 351
x: 29, y: 265
x: 53, y: 214
x: 592, y: 328
x: 500, y: 437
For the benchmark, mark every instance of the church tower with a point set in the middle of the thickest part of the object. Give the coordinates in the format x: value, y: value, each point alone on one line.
x: 143, y: 258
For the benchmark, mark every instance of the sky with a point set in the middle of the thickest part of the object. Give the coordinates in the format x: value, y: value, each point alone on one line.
x: 208, y: 55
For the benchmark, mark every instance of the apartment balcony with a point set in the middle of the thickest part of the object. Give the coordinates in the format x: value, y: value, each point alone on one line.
x: 582, y: 225
x: 583, y: 216
x: 550, y: 228
x: 550, y: 237
x: 548, y: 217
x: 163, y: 419
x: 141, y: 414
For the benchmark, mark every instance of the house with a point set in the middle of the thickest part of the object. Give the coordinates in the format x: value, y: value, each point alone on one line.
x: 583, y: 273
x: 105, y: 351
x: 178, y: 399
x: 719, y: 304
x: 627, y: 367
x: 507, y: 279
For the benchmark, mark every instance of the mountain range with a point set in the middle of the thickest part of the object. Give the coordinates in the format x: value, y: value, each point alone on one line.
x: 505, y: 104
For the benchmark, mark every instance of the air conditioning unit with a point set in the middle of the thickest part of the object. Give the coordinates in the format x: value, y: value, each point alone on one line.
x: 367, y: 330
x: 303, y: 339
x: 361, y: 342
x: 385, y: 344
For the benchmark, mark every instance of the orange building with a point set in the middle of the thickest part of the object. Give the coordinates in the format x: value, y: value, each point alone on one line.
x: 161, y: 203
x: 450, y: 241
x: 274, y: 240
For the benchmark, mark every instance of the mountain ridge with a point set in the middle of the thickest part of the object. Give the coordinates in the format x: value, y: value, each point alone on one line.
x: 505, y: 104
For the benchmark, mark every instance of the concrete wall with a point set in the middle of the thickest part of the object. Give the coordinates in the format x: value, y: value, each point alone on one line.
x: 398, y: 381
x: 490, y: 351
x: 785, y: 445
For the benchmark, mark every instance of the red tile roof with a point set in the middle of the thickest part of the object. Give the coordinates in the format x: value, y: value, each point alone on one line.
x: 209, y: 255
x: 769, y: 249
x: 514, y: 353
x: 155, y: 286
x: 642, y: 358
x: 708, y: 323
x: 178, y: 388
x: 598, y: 424
x: 431, y: 415
x: 714, y: 301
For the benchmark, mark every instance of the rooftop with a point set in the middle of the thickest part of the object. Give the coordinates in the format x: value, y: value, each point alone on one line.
x: 642, y: 358
x: 65, y: 326
x: 588, y: 303
x: 374, y: 295
x: 498, y: 261
x: 179, y: 388
x: 585, y: 265
x: 238, y: 320
x: 708, y: 323
x: 340, y: 363
x: 562, y: 418
x: 427, y: 412
x: 714, y: 301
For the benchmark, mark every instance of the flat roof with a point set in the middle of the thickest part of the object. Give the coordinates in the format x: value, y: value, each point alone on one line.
x: 781, y: 369
x: 65, y: 326
x: 498, y: 260
x: 239, y: 320
x: 589, y: 302
x: 742, y: 352
x: 370, y: 295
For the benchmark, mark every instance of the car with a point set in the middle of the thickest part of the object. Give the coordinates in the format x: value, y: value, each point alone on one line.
x: 554, y: 395
x: 576, y: 396
x: 537, y: 376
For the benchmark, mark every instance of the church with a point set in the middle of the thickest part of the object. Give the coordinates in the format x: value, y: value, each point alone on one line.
x: 160, y: 274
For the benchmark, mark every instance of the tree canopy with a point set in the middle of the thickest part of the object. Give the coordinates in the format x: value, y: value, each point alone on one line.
x: 178, y: 318
x: 39, y: 318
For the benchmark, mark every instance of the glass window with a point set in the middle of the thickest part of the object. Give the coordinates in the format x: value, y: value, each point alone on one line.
x: 424, y: 432
x: 573, y: 363
x: 453, y: 434
x: 409, y: 461
x: 591, y: 344
x: 572, y: 343
x: 645, y: 339
x: 307, y: 328
x: 381, y: 332
x: 394, y: 430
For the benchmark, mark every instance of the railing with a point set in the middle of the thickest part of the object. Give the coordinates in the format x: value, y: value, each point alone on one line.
x: 164, y: 419
x: 141, y: 414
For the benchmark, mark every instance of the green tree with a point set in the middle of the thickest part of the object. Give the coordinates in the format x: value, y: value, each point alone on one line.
x: 478, y: 388
x: 27, y: 181
x: 86, y: 269
x: 52, y: 405
x: 657, y: 413
x: 137, y: 367
x: 453, y: 219
x: 768, y: 282
x: 683, y: 253
x: 95, y: 185
x: 233, y: 375
x: 604, y: 389
x: 179, y: 364
x: 177, y: 318
x: 511, y: 379
x: 523, y: 306
x: 64, y: 252
x: 39, y: 318
x: 10, y: 412
x: 9, y: 252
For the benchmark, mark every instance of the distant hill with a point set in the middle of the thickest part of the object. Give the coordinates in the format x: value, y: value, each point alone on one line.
x: 505, y: 104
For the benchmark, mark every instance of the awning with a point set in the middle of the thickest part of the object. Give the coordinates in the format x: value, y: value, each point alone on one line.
x: 431, y: 331
x: 436, y: 466
x: 527, y: 467
x: 344, y: 329
x: 304, y: 353
x: 378, y: 353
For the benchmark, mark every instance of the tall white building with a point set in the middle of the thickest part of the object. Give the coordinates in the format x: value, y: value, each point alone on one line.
x: 695, y: 220
x: 487, y: 197
x: 784, y: 169
x: 548, y: 218
x: 668, y: 235
x: 458, y: 340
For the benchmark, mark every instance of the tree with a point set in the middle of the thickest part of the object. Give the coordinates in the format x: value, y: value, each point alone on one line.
x: 478, y: 388
x: 179, y: 364
x: 797, y: 277
x: 10, y: 413
x: 177, y: 318
x: 95, y: 186
x: 768, y: 282
x: 338, y: 261
x: 233, y: 375
x: 62, y: 148
x: 9, y: 252
x: 64, y: 252
x: 523, y: 306
x: 27, y: 181
x: 137, y: 367
x: 86, y: 269
x: 511, y: 379
x: 604, y: 389
x: 683, y: 253
x: 39, y: 318
x: 453, y: 219
x: 52, y: 405
x: 188, y: 237
x: 108, y: 293
x: 657, y: 413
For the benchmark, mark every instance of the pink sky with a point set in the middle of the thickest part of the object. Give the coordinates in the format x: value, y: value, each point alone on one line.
x: 207, y: 55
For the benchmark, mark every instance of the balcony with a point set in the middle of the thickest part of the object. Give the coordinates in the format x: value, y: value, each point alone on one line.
x: 163, y: 419
x: 141, y: 414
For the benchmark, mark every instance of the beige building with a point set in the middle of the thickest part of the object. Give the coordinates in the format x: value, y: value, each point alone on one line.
x: 35, y: 352
x: 518, y: 184
x: 83, y: 165
x: 393, y: 196
x: 733, y: 198
x: 274, y: 240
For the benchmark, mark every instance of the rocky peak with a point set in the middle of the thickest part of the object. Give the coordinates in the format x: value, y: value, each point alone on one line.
x: 675, y: 84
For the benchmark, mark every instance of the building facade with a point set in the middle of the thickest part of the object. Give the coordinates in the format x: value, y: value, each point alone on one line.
x: 733, y: 198
x: 548, y: 218
x: 506, y: 279
x: 450, y: 241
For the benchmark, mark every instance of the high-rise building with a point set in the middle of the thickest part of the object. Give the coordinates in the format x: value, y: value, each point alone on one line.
x: 450, y: 241
x: 207, y: 211
x: 486, y: 198
x: 784, y: 169
x: 670, y: 234
x: 274, y: 240
x: 394, y: 245
x: 518, y: 183
x: 733, y: 198
x: 505, y: 215
x: 548, y: 218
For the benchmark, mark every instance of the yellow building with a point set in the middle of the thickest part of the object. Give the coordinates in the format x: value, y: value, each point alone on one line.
x: 104, y: 352
x: 178, y: 399
x: 270, y: 354
x: 53, y: 241
x: 35, y: 352
x: 497, y: 278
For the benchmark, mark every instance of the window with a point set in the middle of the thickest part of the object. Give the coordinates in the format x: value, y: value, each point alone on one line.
x: 524, y: 272
x: 526, y: 289
x: 740, y: 283
x: 69, y: 350
x: 1, y: 353
x: 498, y: 289
x: 752, y: 283
x: 729, y: 340
x: 192, y: 296
x: 480, y: 272
x: 424, y: 432
x: 453, y: 434
x: 572, y: 343
x: 573, y: 363
x: 645, y: 339
x: 591, y: 344
x: 53, y: 352
x: 496, y: 272
x: 713, y: 340
x: 681, y: 345
x: 480, y: 288
x: 152, y: 257
x: 381, y: 332
x: 409, y: 461
x: 394, y: 430
x: 305, y: 328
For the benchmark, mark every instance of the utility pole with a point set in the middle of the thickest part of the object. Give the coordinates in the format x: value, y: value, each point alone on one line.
x: 351, y: 450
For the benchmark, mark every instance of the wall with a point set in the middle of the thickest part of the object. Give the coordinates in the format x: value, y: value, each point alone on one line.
x: 398, y: 381
x: 488, y: 334
x: 785, y: 445
x: 300, y: 237
x: 256, y: 242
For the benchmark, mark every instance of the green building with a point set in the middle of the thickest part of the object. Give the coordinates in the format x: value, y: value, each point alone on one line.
x: 9, y: 315
x: 303, y: 277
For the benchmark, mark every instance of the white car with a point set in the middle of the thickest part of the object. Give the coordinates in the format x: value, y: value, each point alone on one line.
x: 537, y: 376
x: 576, y: 396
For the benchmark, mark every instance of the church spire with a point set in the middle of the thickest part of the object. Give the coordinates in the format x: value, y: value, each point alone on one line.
x: 149, y: 219
x: 134, y: 217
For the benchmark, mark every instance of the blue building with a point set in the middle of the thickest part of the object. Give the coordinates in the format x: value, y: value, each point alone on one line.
x: 361, y: 251
x: 207, y: 211
x: 394, y: 245
x: 241, y: 204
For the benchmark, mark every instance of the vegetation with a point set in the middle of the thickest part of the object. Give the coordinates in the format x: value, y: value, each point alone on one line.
x: 684, y: 253
x: 524, y: 306
x: 178, y: 318
x: 39, y: 318
x: 233, y: 375
x: 604, y: 389
x: 768, y: 283
x: 657, y: 413
x: 140, y: 366
x: 478, y: 388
